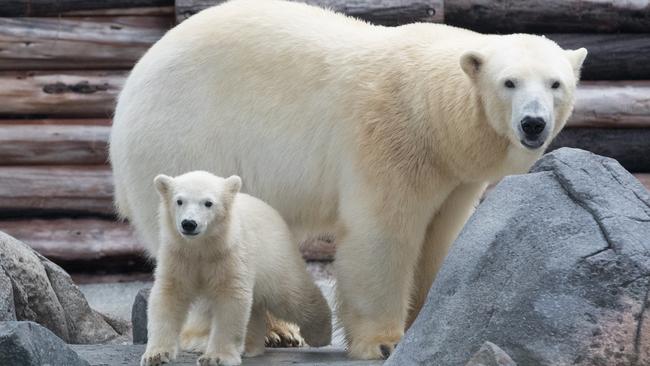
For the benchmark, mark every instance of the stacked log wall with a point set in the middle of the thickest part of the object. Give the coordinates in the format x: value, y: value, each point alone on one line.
x: 63, y: 63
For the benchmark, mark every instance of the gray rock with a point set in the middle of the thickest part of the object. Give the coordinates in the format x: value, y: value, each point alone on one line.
x: 554, y: 266
x: 29, y: 344
x: 490, y: 355
x: 129, y: 355
x: 42, y: 292
x: 139, y: 316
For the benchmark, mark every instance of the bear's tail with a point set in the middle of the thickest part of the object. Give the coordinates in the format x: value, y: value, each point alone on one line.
x: 305, y: 306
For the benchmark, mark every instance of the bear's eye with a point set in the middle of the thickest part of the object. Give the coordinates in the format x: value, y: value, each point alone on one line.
x: 509, y: 84
x: 179, y: 202
x: 555, y: 85
x: 208, y: 204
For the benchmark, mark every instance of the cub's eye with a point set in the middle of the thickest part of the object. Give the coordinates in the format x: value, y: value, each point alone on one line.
x: 555, y: 85
x: 208, y: 204
x: 509, y: 84
x: 179, y: 202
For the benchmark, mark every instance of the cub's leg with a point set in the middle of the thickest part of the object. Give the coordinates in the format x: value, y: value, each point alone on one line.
x: 298, y: 300
x: 441, y: 234
x: 194, y: 336
x: 166, y: 312
x: 256, y: 332
x: 230, y: 314
x: 282, y: 334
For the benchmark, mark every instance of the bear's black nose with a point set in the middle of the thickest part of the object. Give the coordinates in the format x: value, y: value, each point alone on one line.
x: 188, y: 225
x: 533, y: 126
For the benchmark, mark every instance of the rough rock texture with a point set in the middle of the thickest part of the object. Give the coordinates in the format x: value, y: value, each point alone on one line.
x: 29, y: 344
x: 35, y: 289
x: 554, y: 267
x: 129, y: 355
x: 139, y: 316
x: 490, y: 355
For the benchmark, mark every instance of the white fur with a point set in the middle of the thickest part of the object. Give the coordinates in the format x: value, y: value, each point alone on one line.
x: 238, y: 264
x: 370, y: 132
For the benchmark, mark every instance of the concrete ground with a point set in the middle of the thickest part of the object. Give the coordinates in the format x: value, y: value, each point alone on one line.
x: 129, y: 355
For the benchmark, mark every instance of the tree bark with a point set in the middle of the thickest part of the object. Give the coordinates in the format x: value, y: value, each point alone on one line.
x: 620, y: 104
x: 53, y: 144
x: 34, y: 8
x: 631, y: 147
x: 77, y: 43
x: 535, y: 16
x: 611, y: 56
x: 66, y: 93
x: 384, y: 12
x: 47, y: 190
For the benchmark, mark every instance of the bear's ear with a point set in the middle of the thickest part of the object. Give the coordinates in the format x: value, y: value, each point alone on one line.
x: 471, y: 62
x: 576, y: 58
x: 233, y: 185
x: 163, y: 184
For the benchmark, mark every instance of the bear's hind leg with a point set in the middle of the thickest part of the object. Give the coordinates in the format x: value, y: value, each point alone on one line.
x: 441, y: 234
x: 302, y: 302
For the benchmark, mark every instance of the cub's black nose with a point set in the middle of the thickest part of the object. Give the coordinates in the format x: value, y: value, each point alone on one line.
x: 533, y: 126
x: 188, y: 225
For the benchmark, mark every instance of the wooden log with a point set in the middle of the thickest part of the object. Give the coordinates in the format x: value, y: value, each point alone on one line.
x: 77, y: 43
x: 384, y: 12
x: 46, y: 190
x: 36, y: 8
x: 53, y: 144
x: 57, y: 121
x: 631, y: 147
x: 535, y: 16
x: 611, y: 56
x: 70, y: 94
x: 67, y: 240
x: 621, y: 104
x: 168, y: 11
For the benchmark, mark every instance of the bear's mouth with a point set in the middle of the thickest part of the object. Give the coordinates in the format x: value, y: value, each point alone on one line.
x: 190, y: 233
x: 532, y: 144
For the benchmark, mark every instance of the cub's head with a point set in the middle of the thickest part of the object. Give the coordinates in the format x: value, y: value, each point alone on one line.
x: 527, y: 86
x: 196, y: 202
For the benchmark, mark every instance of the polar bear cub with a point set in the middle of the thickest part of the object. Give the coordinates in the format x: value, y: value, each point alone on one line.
x: 234, y: 255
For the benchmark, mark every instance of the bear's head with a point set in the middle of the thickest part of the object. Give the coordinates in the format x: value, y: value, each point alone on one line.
x: 526, y: 84
x: 196, y: 204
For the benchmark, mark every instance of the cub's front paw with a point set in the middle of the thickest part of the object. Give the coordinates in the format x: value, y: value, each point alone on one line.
x: 157, y: 356
x: 219, y: 359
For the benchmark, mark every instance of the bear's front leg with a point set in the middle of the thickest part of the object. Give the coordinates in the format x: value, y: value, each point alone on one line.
x: 231, y: 313
x: 166, y: 312
x: 374, y: 265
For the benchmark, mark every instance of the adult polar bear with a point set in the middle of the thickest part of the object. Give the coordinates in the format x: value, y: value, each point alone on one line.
x: 385, y: 136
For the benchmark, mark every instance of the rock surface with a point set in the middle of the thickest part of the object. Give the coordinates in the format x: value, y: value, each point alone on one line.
x: 554, y: 266
x: 35, y: 289
x: 490, y: 355
x: 139, y: 316
x: 129, y: 355
x: 29, y: 344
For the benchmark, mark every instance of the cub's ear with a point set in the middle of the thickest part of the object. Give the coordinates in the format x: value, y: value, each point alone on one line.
x: 472, y: 62
x: 576, y: 58
x: 163, y: 184
x: 233, y: 184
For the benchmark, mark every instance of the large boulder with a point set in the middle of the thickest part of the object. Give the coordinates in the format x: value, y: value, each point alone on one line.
x: 139, y: 316
x: 554, y: 267
x: 35, y: 289
x: 29, y: 344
